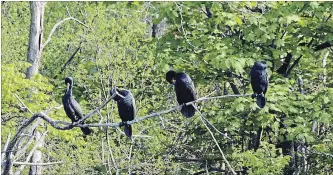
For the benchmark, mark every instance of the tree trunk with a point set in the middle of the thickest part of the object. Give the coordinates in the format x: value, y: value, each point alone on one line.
x: 37, y: 156
x: 324, y: 68
x: 35, y: 37
x: 34, y: 56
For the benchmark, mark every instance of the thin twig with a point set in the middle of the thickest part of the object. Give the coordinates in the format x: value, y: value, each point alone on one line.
x: 224, y: 158
x: 21, y: 151
x: 57, y: 24
x: 8, y: 162
x: 37, y: 164
x: 207, y: 168
x: 134, y: 136
x: 130, y: 156
x: 182, y: 26
x: 223, y: 134
x: 29, y: 131
x: 20, y: 169
x: 315, y: 152
x: 18, y: 98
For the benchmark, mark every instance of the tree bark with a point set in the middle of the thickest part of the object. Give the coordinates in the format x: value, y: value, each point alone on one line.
x: 324, y: 68
x: 34, y: 56
x: 35, y: 37
x: 37, y: 156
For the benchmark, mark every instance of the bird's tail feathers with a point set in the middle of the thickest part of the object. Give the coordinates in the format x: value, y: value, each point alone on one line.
x: 261, y: 100
x: 188, y: 111
x: 86, y: 130
x: 128, y: 130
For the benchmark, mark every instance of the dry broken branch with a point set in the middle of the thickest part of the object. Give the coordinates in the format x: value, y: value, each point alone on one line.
x: 37, y: 164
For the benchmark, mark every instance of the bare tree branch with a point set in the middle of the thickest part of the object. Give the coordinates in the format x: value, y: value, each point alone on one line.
x: 55, y: 124
x: 217, y: 144
x: 159, y: 113
x: 43, y: 115
x: 69, y: 60
x: 292, y: 66
x: 57, y: 24
x: 18, y: 98
x: 20, y: 169
x: 21, y: 151
x: 322, y: 46
x: 37, y: 164
x: 134, y: 136
x: 5, y: 147
x: 223, y: 134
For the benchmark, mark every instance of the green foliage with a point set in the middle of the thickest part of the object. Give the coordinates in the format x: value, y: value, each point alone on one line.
x: 216, y: 43
x: 264, y: 161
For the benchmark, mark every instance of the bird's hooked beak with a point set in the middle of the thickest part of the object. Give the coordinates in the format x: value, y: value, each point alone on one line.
x: 173, y: 81
x: 67, y: 86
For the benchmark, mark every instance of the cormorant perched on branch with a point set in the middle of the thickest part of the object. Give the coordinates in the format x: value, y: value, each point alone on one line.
x: 126, y: 107
x: 259, y: 82
x: 185, y: 90
x: 71, y: 106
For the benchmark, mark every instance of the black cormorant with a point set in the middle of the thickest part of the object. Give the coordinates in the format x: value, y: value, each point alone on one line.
x: 259, y: 82
x: 126, y: 108
x: 71, y: 106
x: 185, y: 90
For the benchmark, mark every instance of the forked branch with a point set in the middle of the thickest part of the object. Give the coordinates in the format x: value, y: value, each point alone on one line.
x: 54, y: 123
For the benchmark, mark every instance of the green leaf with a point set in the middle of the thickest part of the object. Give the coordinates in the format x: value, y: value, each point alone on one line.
x: 314, y: 4
x: 279, y: 42
x: 175, y: 13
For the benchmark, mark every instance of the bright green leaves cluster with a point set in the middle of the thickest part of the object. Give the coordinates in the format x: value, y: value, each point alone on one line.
x: 14, y: 33
x: 35, y: 93
x: 266, y: 160
x: 14, y: 82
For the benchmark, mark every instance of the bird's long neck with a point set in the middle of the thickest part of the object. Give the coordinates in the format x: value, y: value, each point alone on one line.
x: 69, y: 91
x: 117, y: 97
x: 121, y: 92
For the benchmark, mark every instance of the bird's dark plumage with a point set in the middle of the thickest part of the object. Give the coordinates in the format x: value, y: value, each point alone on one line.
x: 185, y: 90
x: 71, y: 106
x: 126, y: 107
x: 259, y: 82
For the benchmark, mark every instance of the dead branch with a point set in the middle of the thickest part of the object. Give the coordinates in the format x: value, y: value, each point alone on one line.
x: 161, y: 112
x: 57, y: 24
x: 20, y: 169
x: 218, y: 146
x: 37, y: 164
x: 18, y: 98
x: 5, y: 147
x: 55, y: 123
